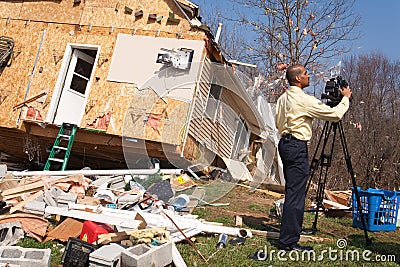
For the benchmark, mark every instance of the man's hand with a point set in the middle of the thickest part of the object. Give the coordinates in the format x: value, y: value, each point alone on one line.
x: 346, y: 91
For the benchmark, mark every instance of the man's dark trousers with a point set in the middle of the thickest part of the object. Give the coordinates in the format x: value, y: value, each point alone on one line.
x: 294, y: 155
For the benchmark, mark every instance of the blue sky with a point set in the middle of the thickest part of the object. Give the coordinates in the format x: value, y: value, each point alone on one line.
x: 380, y: 25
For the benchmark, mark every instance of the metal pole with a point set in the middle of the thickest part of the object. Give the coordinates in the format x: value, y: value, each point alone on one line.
x: 32, y: 73
x: 100, y: 172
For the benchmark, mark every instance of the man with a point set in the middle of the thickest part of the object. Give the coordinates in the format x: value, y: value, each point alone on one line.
x: 295, y: 112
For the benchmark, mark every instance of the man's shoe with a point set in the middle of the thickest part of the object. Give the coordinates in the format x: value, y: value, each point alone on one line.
x: 307, y: 232
x: 258, y: 256
x: 295, y: 247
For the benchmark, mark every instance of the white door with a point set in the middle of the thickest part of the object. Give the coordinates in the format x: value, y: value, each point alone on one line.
x: 75, y: 89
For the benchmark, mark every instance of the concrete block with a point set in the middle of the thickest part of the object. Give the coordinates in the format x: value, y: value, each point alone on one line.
x: 61, y: 198
x: 109, y: 255
x: 35, y: 207
x: 25, y: 257
x: 11, y: 232
x: 144, y: 255
x: 48, y: 198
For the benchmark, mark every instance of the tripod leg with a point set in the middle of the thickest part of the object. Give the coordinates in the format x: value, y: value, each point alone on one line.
x: 314, y: 161
x: 353, y: 180
x: 325, y: 161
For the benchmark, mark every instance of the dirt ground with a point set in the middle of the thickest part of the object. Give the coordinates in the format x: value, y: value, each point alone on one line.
x: 253, y: 207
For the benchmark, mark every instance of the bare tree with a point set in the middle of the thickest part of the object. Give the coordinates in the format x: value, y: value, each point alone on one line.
x: 372, y: 124
x: 283, y: 32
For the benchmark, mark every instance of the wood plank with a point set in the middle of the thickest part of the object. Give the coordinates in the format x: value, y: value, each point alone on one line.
x: 77, y: 178
x: 274, y: 194
x: 29, y: 199
x: 303, y: 238
x: 68, y: 228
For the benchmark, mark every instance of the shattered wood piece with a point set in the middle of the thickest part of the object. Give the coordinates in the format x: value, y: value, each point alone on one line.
x: 263, y: 191
x: 23, y: 188
x: 38, y: 185
x: 308, y: 238
x: 8, y: 184
x: 29, y: 100
x: 19, y: 195
x: 338, y: 196
x: 34, y: 226
x: 104, y: 239
x: 303, y: 238
x: 273, y: 187
x: 89, y: 201
x: 334, y: 205
x: 63, y: 186
x: 29, y: 199
x: 268, y: 234
x: 238, y: 220
x: 328, y: 195
x: 68, y: 228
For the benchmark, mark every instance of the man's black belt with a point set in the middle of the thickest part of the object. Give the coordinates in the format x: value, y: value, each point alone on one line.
x: 289, y: 136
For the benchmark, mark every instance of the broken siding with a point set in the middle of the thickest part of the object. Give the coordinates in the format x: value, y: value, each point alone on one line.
x: 216, y: 135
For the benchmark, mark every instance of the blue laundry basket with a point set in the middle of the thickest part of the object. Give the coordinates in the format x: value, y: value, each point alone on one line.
x: 379, y: 207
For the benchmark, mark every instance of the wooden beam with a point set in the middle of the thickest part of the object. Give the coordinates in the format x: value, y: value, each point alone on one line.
x: 30, y: 100
x: 29, y: 199
x: 274, y: 194
x: 303, y: 238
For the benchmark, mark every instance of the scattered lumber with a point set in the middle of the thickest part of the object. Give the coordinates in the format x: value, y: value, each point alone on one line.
x: 303, y: 238
x: 274, y: 194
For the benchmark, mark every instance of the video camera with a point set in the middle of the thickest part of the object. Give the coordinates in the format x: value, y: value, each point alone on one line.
x: 332, y: 92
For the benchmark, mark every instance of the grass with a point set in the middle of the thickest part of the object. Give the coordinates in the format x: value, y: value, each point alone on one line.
x: 384, y: 244
x: 255, y: 207
x: 327, y: 253
x: 57, y: 249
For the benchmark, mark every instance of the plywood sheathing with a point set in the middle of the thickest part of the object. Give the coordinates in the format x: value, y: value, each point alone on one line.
x: 100, y: 13
x: 26, y: 28
x: 14, y: 79
x: 172, y: 115
x: 104, y: 96
x: 10, y: 9
x: 57, y: 11
x: 111, y: 12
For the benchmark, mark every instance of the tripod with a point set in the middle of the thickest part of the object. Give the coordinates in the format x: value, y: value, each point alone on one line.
x: 325, y: 161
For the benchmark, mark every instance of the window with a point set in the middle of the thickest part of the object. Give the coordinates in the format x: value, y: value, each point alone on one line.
x: 213, y: 100
x: 241, y: 142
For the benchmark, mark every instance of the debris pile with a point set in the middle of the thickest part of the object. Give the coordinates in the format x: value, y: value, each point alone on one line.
x: 130, y: 218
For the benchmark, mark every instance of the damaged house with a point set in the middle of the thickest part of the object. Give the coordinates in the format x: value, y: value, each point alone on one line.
x: 140, y: 79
